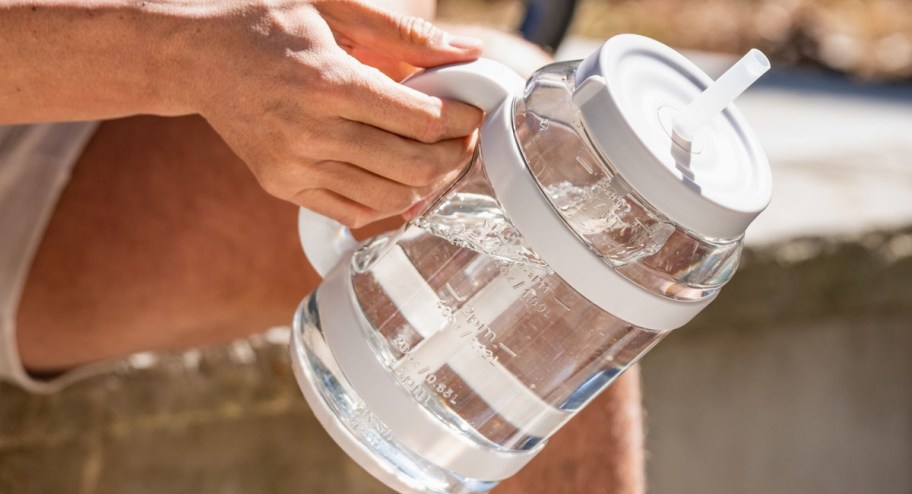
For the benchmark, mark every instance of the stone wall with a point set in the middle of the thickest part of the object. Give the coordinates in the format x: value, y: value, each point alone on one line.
x: 798, y: 379
x: 223, y: 420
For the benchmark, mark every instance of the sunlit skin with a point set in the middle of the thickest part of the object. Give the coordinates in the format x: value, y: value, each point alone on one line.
x: 178, y: 229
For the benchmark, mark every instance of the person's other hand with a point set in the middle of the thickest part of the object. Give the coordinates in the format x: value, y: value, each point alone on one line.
x: 282, y: 85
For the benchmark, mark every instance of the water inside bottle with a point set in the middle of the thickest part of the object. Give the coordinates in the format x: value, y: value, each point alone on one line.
x: 624, y: 230
x: 479, y: 329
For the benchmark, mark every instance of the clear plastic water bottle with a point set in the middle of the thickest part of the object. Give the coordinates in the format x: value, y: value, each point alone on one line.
x: 604, y: 208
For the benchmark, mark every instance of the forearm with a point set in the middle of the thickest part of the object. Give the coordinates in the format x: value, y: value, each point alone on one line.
x: 76, y: 60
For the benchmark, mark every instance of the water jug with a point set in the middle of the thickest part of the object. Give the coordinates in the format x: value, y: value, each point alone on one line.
x: 605, y: 206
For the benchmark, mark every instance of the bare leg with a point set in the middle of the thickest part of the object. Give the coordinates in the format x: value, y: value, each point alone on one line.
x: 600, y: 451
x: 161, y: 240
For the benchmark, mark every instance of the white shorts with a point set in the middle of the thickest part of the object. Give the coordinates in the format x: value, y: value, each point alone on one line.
x: 35, y: 165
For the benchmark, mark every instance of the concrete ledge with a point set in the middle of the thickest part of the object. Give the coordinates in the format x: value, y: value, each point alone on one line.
x: 222, y: 420
x: 796, y: 379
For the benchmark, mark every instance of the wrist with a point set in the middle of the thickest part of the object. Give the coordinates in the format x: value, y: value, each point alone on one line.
x: 171, y: 53
x: 200, y: 52
x: 162, y: 53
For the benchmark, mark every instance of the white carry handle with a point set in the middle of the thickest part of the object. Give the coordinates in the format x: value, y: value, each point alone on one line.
x: 482, y: 83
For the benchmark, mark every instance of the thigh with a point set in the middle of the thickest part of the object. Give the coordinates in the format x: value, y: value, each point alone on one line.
x: 601, y: 450
x: 162, y: 239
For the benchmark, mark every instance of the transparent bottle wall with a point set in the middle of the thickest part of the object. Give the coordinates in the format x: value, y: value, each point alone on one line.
x: 625, y: 231
x: 479, y: 329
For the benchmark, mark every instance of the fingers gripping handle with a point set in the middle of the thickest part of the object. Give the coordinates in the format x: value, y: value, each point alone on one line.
x: 482, y: 83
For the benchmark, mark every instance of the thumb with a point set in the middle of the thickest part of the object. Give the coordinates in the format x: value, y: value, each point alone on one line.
x: 410, y: 39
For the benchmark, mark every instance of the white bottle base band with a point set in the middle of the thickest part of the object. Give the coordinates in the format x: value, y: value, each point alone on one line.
x: 355, y: 449
x: 392, y: 404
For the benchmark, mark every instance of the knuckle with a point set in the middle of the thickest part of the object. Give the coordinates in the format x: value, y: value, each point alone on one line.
x: 399, y: 200
x: 323, y: 140
x: 273, y: 186
x: 426, y: 163
x: 361, y: 220
x: 314, y: 175
x: 346, y: 219
x: 272, y: 189
x: 416, y: 30
x: 305, y: 198
x: 433, y: 130
x: 318, y: 147
x: 423, y: 173
x: 352, y: 218
x: 331, y: 76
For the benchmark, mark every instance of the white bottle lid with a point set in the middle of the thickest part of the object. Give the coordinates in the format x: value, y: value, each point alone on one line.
x: 629, y: 94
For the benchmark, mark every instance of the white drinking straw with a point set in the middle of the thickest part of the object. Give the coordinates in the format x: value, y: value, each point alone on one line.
x: 720, y: 94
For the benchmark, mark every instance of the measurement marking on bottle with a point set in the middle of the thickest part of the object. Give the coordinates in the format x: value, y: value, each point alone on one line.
x: 562, y: 303
x: 467, y: 333
x: 506, y: 349
x: 584, y: 164
x: 454, y: 294
x: 424, y: 370
x: 521, y: 283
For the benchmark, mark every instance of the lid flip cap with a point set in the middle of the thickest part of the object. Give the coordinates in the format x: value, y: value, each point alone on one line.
x: 629, y: 93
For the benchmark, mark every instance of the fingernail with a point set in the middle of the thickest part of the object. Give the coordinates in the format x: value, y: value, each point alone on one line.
x: 464, y: 42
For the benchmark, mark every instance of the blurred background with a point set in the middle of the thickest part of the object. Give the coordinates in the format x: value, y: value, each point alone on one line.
x: 798, y: 379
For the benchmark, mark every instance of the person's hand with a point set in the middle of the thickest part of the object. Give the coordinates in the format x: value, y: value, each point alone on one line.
x: 282, y: 84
